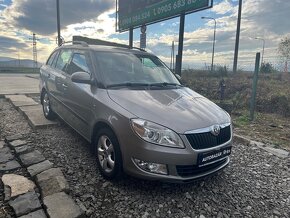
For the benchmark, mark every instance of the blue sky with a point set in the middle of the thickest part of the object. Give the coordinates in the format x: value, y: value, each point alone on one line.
x: 268, y: 19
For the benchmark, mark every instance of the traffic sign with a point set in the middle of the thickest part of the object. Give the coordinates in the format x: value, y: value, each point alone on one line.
x: 133, y: 14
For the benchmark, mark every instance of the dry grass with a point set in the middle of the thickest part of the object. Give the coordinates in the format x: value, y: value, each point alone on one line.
x: 272, y: 123
x: 273, y: 92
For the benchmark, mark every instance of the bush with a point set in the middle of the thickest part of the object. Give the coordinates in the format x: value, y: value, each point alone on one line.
x: 267, y: 68
x: 280, y: 104
x: 221, y: 71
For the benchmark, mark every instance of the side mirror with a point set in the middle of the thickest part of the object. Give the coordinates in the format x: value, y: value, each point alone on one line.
x: 81, y: 77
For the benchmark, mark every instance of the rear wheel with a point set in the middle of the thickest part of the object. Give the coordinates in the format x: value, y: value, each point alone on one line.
x: 47, y: 111
x: 108, y: 154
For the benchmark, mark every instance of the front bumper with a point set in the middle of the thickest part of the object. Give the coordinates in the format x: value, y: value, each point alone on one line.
x: 181, y: 163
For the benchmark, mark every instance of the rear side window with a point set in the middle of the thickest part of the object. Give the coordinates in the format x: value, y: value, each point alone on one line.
x: 55, y: 59
x: 78, y: 64
x: 63, y: 59
x: 52, y: 57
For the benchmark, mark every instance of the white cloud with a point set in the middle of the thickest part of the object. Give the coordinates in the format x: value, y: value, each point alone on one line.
x: 101, y: 28
x: 264, y: 18
x: 223, y: 7
x: 40, y: 16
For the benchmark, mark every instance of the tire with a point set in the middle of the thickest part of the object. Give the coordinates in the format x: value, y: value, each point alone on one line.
x: 47, y: 111
x: 108, y: 154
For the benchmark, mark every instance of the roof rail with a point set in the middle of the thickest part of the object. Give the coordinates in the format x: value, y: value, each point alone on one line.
x: 84, y: 44
x: 141, y: 49
x: 89, y: 41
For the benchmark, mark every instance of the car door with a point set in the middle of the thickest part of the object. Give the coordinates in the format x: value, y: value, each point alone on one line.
x: 79, y: 97
x: 48, y: 76
x: 59, y: 81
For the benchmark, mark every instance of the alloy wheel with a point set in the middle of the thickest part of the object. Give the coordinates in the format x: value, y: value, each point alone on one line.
x: 106, y: 154
x: 46, y: 104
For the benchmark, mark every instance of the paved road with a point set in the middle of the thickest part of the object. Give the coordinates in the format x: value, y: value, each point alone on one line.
x: 18, y: 84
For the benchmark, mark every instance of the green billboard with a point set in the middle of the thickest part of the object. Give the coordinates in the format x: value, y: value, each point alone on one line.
x: 135, y: 13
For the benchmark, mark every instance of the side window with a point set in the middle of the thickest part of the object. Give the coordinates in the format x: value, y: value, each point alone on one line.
x: 63, y: 59
x: 78, y: 64
x: 51, y: 58
x: 55, y: 59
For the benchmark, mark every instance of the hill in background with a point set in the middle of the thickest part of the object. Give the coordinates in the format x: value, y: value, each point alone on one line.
x: 12, y: 62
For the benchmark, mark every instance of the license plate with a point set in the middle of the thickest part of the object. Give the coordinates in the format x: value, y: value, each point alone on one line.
x: 212, y: 156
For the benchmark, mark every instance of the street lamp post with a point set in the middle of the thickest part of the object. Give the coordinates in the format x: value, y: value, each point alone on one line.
x: 213, y: 46
x: 59, y: 41
x: 258, y: 38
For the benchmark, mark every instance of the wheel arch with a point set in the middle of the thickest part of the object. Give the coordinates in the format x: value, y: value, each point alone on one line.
x: 100, y: 125
x: 118, y: 172
x: 41, y: 95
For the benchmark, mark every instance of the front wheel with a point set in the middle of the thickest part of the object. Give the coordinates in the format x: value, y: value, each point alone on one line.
x: 48, y: 113
x: 108, y: 154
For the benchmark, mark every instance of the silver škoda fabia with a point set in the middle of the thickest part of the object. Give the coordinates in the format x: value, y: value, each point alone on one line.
x: 135, y: 113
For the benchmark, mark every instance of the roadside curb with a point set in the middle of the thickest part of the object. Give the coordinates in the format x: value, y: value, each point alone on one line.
x: 33, y: 77
x: 45, y: 182
x: 31, y: 110
x: 281, y: 153
x: 241, y: 139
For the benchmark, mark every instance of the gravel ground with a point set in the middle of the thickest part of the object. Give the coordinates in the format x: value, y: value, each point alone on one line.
x: 256, y: 184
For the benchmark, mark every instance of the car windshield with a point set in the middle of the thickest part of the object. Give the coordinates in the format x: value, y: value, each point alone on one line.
x: 134, y: 70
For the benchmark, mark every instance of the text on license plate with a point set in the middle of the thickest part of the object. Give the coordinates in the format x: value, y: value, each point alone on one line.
x: 212, y: 156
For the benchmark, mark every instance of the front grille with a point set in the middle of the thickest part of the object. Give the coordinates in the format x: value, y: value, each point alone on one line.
x: 191, y: 170
x: 208, y: 140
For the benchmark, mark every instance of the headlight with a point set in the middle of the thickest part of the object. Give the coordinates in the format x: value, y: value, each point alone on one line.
x: 157, y: 134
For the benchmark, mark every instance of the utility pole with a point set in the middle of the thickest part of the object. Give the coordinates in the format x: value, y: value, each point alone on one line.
x: 264, y: 42
x: 254, y: 90
x: 59, y: 41
x: 238, y: 37
x: 214, y: 36
x: 131, y: 37
x: 172, y: 57
x: 180, y: 45
x: 286, y: 67
x: 34, y: 52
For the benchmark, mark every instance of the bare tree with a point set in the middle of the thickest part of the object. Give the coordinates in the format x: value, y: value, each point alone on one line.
x: 284, y: 51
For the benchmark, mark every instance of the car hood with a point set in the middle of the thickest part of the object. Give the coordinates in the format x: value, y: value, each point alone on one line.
x: 178, y: 109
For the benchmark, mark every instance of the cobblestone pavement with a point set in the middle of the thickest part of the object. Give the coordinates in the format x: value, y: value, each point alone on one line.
x: 256, y: 183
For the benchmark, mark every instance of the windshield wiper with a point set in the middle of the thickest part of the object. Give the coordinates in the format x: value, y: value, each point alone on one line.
x: 165, y: 84
x: 128, y: 85
x: 147, y: 85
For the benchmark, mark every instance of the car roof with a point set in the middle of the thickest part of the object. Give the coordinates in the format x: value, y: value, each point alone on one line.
x: 105, y: 48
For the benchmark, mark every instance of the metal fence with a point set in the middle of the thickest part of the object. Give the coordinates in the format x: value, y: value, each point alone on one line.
x: 233, y: 91
x: 24, y: 70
